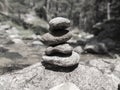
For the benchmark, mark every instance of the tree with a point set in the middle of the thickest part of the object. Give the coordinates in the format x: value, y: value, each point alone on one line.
x: 115, y: 9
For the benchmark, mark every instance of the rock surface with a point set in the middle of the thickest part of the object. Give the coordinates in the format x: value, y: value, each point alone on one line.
x: 65, y: 86
x: 36, y: 77
x: 63, y: 48
x: 62, y: 61
x: 49, y: 39
x: 59, y: 23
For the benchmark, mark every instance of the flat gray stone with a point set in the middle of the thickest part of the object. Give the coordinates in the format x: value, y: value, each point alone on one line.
x: 64, y: 49
x: 59, y: 23
x: 49, y: 39
x: 62, y: 61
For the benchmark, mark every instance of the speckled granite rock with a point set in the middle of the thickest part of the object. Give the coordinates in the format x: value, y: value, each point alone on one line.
x: 59, y: 23
x: 65, y: 86
x: 67, y: 61
x: 49, y: 39
x: 63, y: 48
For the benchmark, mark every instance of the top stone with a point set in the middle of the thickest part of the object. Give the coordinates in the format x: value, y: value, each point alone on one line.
x: 59, y: 23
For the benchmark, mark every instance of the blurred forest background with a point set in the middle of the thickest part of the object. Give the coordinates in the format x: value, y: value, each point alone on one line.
x: 83, y: 13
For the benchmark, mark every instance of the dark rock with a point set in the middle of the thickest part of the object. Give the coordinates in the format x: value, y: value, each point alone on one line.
x: 110, y: 44
x: 3, y: 49
x: 118, y: 86
x: 82, y: 42
x: 96, y: 47
x: 97, y: 29
x: 110, y: 29
x: 59, y: 32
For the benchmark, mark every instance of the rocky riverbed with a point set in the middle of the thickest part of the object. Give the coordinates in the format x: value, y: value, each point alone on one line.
x: 17, y: 51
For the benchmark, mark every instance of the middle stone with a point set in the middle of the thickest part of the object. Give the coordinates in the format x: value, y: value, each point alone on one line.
x: 63, y: 48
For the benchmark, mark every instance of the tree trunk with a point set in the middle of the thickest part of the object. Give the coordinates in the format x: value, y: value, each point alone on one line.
x: 46, y: 5
x: 19, y: 14
x: 108, y: 11
x: 6, y: 4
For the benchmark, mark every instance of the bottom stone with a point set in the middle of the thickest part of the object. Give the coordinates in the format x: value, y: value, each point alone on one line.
x: 62, y: 61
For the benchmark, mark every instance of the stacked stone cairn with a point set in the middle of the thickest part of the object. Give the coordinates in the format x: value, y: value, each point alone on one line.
x: 59, y: 53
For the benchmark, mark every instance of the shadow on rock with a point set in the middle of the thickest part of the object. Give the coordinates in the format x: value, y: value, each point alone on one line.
x: 59, y: 68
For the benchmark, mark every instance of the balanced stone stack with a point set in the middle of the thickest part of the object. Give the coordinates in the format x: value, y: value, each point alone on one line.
x: 59, y: 53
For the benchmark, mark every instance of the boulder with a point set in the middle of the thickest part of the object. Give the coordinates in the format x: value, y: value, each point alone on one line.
x: 3, y: 37
x: 78, y: 49
x: 72, y: 42
x: 5, y: 27
x: 110, y: 44
x: 62, y: 61
x: 3, y: 49
x: 96, y: 47
x: 63, y: 48
x: 17, y: 41
x: 15, y: 36
x: 13, y: 31
x: 82, y: 42
x: 110, y: 29
x: 37, y: 43
x: 5, y: 62
x: 65, y: 86
x: 13, y: 55
x: 97, y: 29
x: 59, y: 23
x: 49, y: 39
